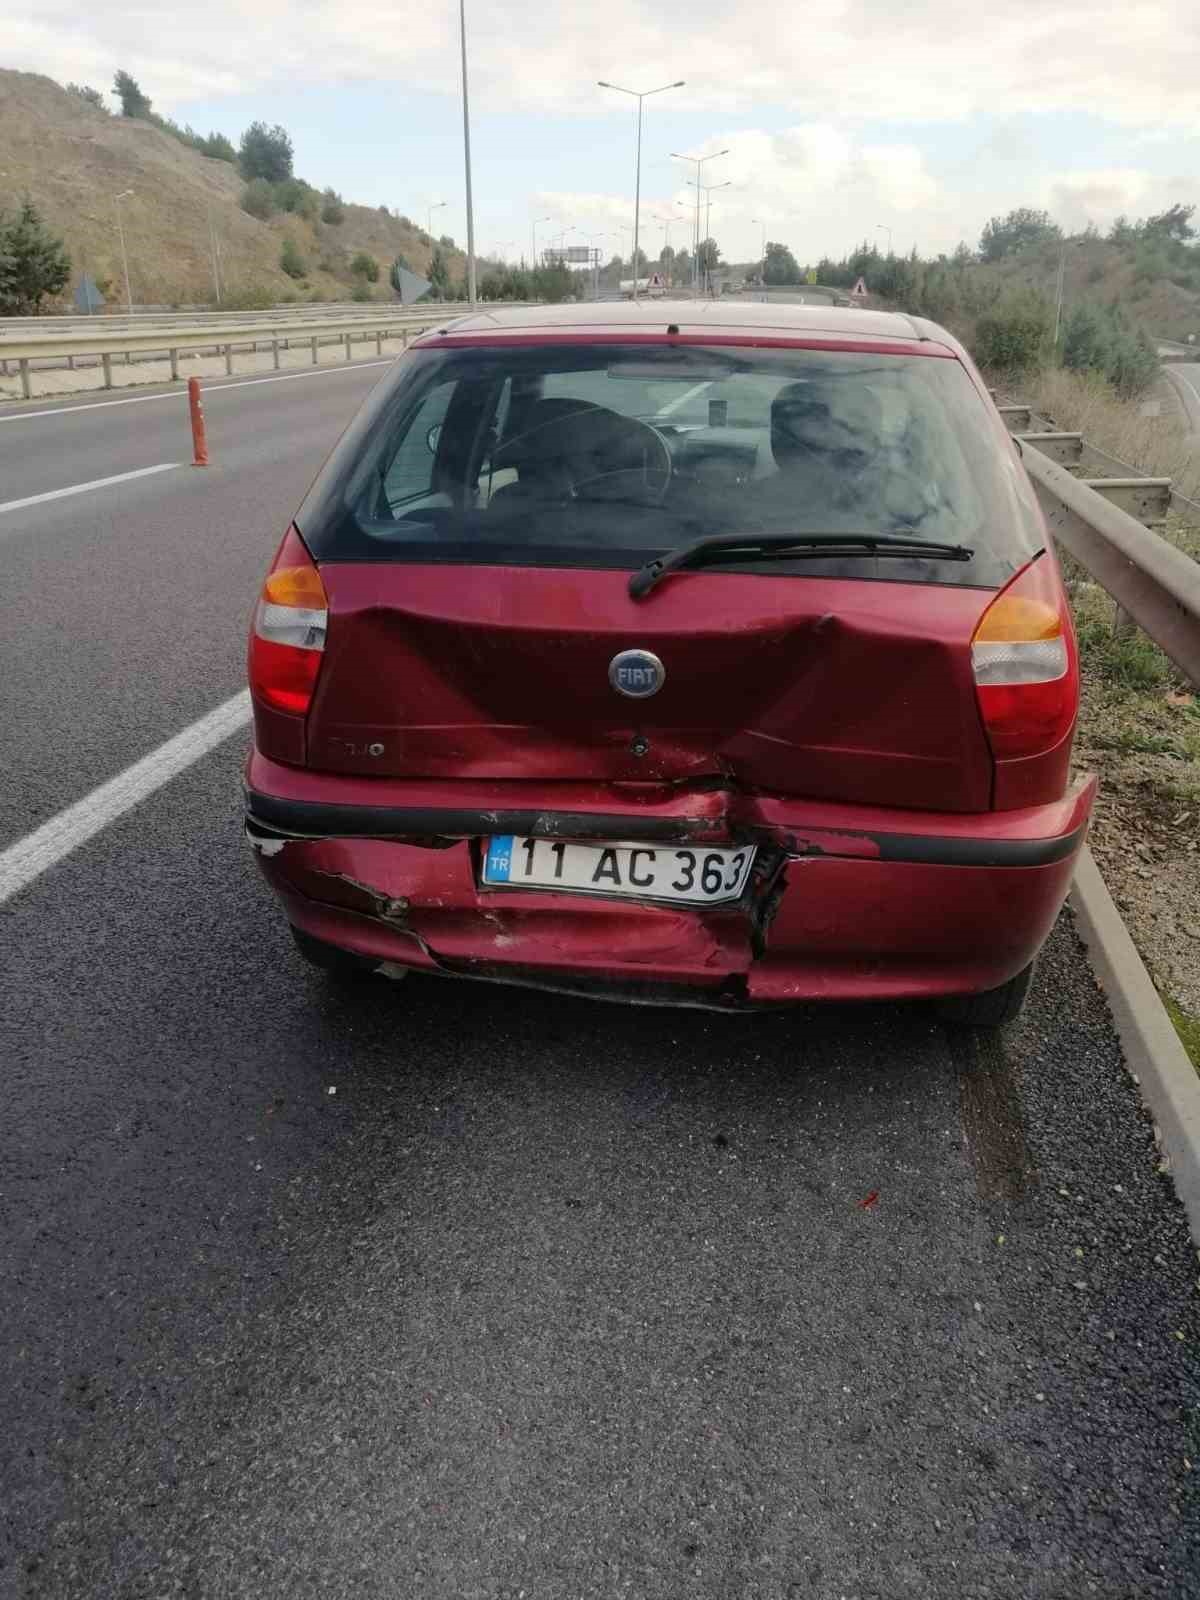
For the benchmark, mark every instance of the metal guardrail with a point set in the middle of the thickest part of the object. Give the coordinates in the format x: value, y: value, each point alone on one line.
x: 1154, y: 583
x: 227, y: 339
x: 14, y: 327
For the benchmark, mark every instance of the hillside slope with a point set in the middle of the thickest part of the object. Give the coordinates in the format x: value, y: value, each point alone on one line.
x: 72, y: 159
x: 1107, y: 274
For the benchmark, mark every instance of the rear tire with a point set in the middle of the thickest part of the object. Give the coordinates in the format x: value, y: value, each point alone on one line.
x: 340, y: 966
x: 994, y: 1008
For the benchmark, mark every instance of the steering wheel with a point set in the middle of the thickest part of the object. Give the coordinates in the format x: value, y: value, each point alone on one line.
x: 645, y: 482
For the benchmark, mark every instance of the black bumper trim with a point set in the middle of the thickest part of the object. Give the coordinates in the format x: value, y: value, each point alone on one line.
x: 309, y: 819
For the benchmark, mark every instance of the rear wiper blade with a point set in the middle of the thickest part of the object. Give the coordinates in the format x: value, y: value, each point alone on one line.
x: 758, y: 546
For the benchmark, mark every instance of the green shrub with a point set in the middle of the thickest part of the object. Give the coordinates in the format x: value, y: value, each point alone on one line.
x: 291, y: 260
x: 334, y: 209
x: 258, y: 199
x: 360, y: 291
x: 1015, y: 336
x: 254, y: 297
x: 366, y: 267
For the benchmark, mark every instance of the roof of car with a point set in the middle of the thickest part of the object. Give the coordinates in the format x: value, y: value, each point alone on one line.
x: 725, y: 316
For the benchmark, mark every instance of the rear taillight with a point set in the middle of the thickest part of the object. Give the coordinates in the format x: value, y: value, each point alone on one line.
x: 1026, y: 670
x: 288, y: 635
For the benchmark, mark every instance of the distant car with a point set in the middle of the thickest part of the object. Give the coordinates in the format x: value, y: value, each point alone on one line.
x: 708, y: 653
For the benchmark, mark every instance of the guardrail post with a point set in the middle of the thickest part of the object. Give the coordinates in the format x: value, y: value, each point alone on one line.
x: 26, y: 389
x: 275, y: 353
x: 174, y: 354
x: 346, y: 337
x: 378, y: 342
x: 106, y: 363
x: 70, y: 363
x: 314, y: 350
x: 404, y: 338
x: 229, y: 360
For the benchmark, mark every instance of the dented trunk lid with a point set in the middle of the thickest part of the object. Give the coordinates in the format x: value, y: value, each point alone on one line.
x: 836, y: 688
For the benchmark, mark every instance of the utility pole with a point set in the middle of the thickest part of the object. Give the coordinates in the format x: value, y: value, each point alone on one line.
x: 124, y: 195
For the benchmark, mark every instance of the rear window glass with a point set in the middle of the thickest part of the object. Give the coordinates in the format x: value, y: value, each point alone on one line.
x: 606, y: 455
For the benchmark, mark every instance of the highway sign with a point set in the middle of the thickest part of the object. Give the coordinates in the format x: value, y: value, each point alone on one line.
x: 87, y: 296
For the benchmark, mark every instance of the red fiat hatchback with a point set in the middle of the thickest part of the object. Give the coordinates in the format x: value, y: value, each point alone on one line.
x: 705, y: 653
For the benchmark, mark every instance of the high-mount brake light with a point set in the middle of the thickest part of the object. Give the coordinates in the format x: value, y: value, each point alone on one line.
x: 1025, y: 664
x: 288, y: 634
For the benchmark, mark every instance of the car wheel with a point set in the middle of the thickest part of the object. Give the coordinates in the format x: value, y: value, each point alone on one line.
x: 343, y: 966
x: 992, y: 1009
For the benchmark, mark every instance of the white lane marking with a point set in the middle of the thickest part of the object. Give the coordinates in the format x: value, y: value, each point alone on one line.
x: 26, y: 860
x: 206, y: 388
x: 83, y: 488
x: 683, y: 399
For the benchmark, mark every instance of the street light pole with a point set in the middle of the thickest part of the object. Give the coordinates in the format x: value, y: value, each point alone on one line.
x: 533, y: 228
x: 637, y: 192
x: 882, y: 227
x: 462, y: 25
x: 435, y: 206
x: 708, y: 189
x: 763, y: 252
x: 699, y: 160
x: 124, y: 195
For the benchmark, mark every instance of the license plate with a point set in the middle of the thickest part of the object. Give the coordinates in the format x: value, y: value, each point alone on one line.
x: 632, y: 871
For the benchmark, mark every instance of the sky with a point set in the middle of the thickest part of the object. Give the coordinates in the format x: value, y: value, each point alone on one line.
x: 908, y: 124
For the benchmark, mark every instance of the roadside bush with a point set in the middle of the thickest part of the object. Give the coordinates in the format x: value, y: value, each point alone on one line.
x: 1098, y: 339
x: 251, y: 297
x: 92, y: 96
x: 258, y: 200
x: 360, y: 291
x: 333, y: 211
x: 291, y: 260
x: 366, y: 267
x: 1015, y: 336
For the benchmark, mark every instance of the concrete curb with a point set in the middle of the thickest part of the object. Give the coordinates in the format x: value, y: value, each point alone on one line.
x: 1169, y: 1083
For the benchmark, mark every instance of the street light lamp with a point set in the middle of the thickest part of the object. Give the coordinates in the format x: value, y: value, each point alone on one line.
x: 124, y: 195
x: 882, y: 227
x: 637, y: 191
x: 435, y: 206
x: 699, y: 160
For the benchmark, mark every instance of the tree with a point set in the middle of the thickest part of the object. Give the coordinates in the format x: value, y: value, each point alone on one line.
x: 439, y: 276
x: 781, y: 265
x: 446, y: 242
x: 34, y: 265
x: 365, y: 267
x: 1175, y: 223
x: 218, y: 148
x: 1015, y: 335
x: 681, y: 268
x: 333, y: 211
x: 92, y: 96
x: 1020, y: 229
x: 257, y: 199
x: 291, y: 260
x: 265, y: 153
x: 133, y: 102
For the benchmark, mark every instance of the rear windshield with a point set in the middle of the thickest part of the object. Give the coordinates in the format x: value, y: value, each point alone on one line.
x: 604, y: 455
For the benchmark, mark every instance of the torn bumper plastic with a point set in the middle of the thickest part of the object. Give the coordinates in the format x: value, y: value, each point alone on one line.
x: 845, y: 903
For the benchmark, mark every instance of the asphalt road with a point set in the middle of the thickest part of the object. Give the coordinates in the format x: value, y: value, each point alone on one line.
x: 547, y: 1298
x: 1187, y: 385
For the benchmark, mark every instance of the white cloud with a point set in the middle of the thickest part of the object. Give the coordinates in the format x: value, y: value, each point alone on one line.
x: 929, y: 60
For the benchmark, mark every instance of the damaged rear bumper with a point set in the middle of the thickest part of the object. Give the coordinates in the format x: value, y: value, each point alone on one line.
x: 846, y: 902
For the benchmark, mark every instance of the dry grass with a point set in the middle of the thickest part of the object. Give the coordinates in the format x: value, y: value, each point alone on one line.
x: 1160, y: 447
x: 72, y: 159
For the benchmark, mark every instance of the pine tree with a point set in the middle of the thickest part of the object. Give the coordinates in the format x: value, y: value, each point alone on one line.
x: 33, y: 263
